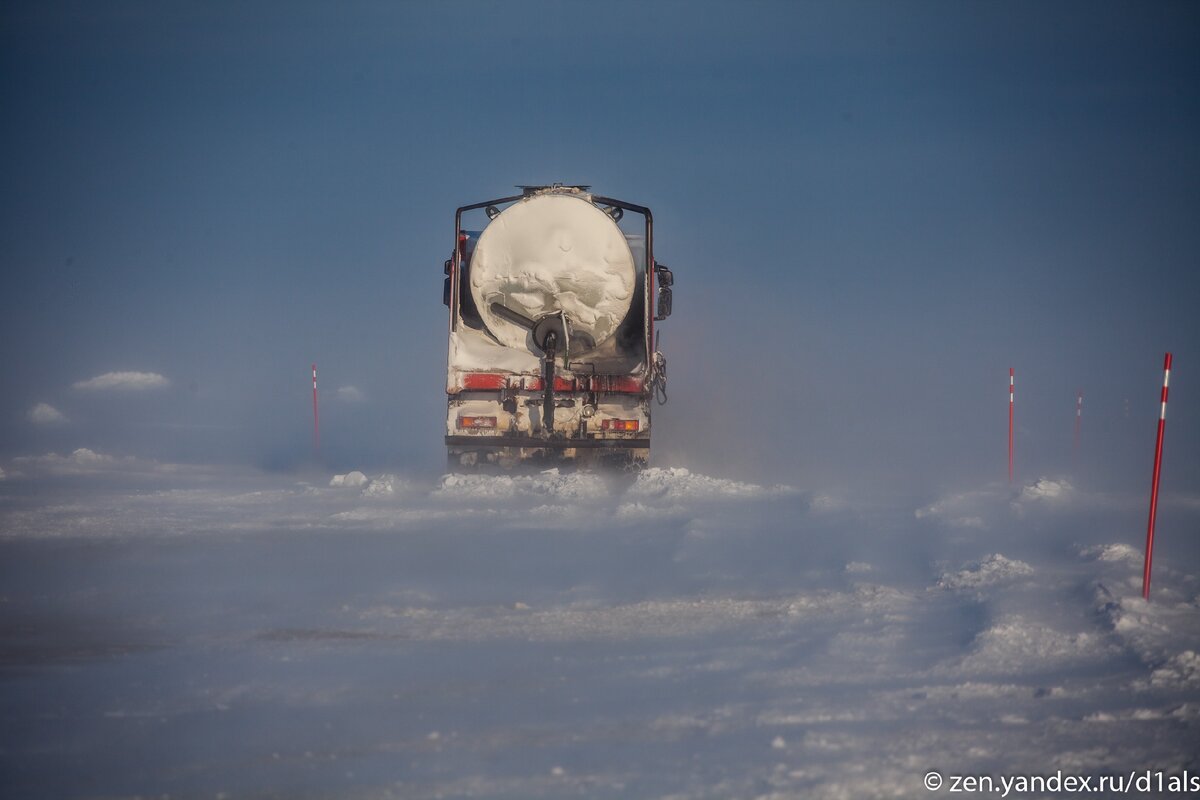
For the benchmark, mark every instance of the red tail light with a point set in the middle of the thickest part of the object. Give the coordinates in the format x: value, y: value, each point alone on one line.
x: 477, y: 422
x: 483, y: 381
x: 619, y: 425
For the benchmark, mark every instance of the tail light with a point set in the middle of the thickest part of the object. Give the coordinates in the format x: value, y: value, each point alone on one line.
x: 477, y: 422
x: 619, y: 425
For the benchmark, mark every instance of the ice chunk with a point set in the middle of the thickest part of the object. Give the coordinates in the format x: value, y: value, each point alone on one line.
x: 677, y: 483
x: 1045, y: 489
x: 992, y: 570
x: 351, y: 479
x: 1114, y: 552
x: 383, y: 486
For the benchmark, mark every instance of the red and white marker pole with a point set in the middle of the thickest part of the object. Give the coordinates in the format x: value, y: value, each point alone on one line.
x: 1011, y: 399
x: 1158, y: 445
x: 316, y: 417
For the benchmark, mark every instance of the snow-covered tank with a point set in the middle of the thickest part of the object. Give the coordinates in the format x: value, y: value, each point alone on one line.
x: 553, y: 297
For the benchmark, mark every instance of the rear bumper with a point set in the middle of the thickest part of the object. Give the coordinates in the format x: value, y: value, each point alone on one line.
x: 478, y: 442
x: 510, y: 451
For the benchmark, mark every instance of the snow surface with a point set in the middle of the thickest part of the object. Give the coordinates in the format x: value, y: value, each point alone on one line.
x: 990, y: 571
x: 202, y: 632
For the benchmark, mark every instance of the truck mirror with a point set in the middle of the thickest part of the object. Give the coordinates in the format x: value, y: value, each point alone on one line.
x: 664, y: 303
x: 666, y: 279
x: 446, y: 291
x: 663, y: 275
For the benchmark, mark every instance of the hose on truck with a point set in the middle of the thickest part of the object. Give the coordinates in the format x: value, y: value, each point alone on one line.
x: 658, y: 377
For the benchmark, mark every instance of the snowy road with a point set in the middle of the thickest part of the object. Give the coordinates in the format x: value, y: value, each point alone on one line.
x: 193, y: 633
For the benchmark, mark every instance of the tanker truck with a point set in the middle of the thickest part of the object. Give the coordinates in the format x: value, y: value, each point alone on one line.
x: 552, y: 295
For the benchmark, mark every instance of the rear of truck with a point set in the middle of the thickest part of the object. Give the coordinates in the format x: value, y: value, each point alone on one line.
x: 553, y: 295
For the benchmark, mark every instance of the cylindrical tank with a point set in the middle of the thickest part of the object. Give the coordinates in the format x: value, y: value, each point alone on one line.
x: 550, y: 253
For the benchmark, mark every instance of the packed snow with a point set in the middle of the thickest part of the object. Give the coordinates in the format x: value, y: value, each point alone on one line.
x: 204, y: 632
x: 350, y: 479
x: 991, y: 570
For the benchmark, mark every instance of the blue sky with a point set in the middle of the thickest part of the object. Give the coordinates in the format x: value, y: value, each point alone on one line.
x: 873, y: 210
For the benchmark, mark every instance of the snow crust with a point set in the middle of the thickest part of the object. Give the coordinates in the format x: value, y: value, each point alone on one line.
x: 1018, y: 644
x: 982, y: 508
x: 549, y: 483
x: 990, y: 571
x: 1181, y: 671
x: 83, y: 460
x: 677, y: 483
x: 1045, y: 489
x: 959, y: 509
x: 1115, y: 552
x: 496, y: 634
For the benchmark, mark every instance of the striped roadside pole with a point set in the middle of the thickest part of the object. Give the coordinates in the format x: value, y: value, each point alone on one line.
x: 316, y: 418
x: 1011, y: 399
x: 1158, y: 448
